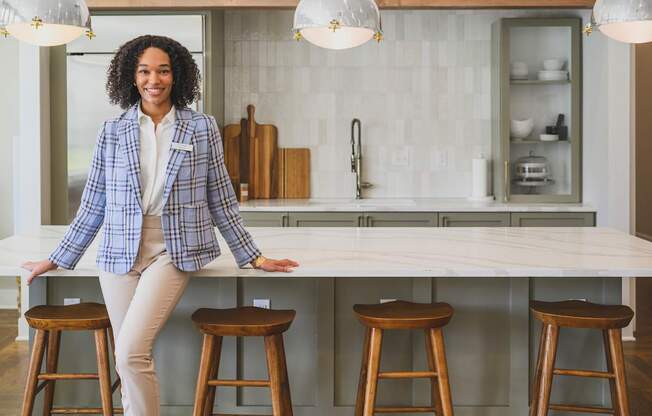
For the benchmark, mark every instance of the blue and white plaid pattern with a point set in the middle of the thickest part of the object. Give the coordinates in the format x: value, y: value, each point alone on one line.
x: 198, y: 195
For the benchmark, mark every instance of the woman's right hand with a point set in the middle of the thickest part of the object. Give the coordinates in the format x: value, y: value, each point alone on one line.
x: 38, y: 268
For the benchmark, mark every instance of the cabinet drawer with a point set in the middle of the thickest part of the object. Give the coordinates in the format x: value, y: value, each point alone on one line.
x: 265, y: 219
x: 474, y: 219
x: 553, y: 219
x: 326, y: 219
x: 400, y: 219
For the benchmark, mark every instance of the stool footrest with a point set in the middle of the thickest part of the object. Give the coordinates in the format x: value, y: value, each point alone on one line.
x: 85, y: 411
x: 407, y: 374
x: 583, y: 373
x: 68, y: 376
x: 239, y: 383
x: 408, y: 409
x: 582, y: 409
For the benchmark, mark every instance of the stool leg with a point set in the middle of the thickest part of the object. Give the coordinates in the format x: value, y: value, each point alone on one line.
x: 373, y: 366
x: 547, y: 368
x: 362, y: 382
x: 103, y: 371
x: 618, y: 362
x: 610, y: 369
x: 278, y: 375
x: 215, y: 368
x: 54, y: 339
x: 112, y: 341
x: 437, y: 340
x: 34, y: 369
x: 536, y: 383
x: 201, y: 391
x: 435, y: 398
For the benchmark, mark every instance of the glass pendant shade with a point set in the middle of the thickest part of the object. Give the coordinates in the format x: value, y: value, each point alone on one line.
x: 337, y: 24
x: 624, y: 20
x: 46, y: 22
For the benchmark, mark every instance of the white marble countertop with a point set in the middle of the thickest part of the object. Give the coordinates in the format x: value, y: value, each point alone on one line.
x: 400, y: 252
x: 402, y: 205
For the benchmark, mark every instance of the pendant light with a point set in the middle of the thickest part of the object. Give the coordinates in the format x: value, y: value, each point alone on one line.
x: 623, y: 20
x: 46, y: 22
x: 337, y: 24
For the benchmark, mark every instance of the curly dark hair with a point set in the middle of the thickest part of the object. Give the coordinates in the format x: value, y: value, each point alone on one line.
x: 121, y: 73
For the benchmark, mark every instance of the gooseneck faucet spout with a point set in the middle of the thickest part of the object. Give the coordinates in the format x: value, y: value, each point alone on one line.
x: 356, y: 157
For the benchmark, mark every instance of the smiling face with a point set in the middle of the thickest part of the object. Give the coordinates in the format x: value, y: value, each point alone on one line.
x: 154, y: 78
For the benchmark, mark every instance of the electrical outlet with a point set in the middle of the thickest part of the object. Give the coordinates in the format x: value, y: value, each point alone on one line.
x: 401, y: 157
x: 439, y: 159
x: 382, y: 300
x: 262, y: 303
x: 71, y: 301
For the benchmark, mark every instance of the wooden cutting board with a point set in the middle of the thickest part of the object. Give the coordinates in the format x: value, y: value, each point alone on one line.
x: 231, y: 141
x: 293, y: 173
x: 263, y: 153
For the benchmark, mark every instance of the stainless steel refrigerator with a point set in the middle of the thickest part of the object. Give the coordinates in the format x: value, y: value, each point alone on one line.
x: 87, y: 63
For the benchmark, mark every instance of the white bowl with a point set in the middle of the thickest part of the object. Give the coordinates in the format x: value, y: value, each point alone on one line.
x: 519, y: 65
x: 520, y: 129
x: 553, y: 64
x: 519, y: 73
x: 552, y: 75
x: 548, y: 137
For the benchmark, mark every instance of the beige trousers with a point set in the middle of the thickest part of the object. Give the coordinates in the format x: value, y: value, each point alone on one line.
x: 139, y: 303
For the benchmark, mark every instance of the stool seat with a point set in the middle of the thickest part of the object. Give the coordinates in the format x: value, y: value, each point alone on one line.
x: 82, y: 316
x: 581, y: 314
x: 243, y: 321
x: 404, y: 315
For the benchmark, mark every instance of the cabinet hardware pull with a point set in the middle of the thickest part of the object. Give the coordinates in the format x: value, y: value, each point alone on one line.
x: 506, y: 192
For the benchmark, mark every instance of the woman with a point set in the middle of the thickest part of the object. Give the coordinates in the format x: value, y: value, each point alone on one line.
x: 158, y: 184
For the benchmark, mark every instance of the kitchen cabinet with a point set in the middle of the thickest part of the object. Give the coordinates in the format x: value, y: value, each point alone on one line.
x: 474, y: 219
x: 400, y: 219
x: 265, y: 219
x: 326, y: 219
x: 553, y: 219
x: 529, y: 97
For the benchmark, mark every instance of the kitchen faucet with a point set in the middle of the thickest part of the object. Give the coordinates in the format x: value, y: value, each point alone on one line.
x: 356, y: 158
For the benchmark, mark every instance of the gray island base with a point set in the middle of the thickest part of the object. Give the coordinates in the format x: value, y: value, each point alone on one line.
x: 488, y: 276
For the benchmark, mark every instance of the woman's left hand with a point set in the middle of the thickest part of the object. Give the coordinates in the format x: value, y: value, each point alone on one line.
x: 284, y: 265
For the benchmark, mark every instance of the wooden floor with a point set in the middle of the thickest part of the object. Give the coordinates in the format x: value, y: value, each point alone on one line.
x: 14, y: 357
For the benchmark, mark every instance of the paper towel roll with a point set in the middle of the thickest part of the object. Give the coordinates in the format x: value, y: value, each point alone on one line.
x: 480, y: 173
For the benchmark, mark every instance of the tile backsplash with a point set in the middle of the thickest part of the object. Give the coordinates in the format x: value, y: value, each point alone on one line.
x: 424, y: 91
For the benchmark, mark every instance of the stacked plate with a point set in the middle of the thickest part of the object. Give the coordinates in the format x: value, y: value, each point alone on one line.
x: 547, y: 75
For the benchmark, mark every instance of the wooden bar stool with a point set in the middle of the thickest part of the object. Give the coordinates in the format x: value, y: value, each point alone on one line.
x: 49, y: 321
x: 404, y: 315
x: 579, y: 314
x: 243, y: 322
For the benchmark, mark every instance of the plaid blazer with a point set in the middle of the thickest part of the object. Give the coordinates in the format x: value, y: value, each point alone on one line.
x: 198, y: 195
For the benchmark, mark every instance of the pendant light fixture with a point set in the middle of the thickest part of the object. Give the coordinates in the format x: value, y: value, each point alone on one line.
x: 337, y: 24
x: 623, y: 20
x: 45, y: 22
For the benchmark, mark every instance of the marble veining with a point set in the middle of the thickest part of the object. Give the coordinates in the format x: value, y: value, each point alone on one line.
x: 401, y: 252
x: 402, y: 205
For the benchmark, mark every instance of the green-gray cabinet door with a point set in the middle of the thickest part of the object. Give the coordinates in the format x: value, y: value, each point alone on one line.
x: 553, y: 219
x: 265, y: 219
x: 400, y: 219
x: 326, y: 219
x: 474, y: 219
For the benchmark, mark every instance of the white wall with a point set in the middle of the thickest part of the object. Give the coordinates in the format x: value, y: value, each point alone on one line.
x: 8, y: 129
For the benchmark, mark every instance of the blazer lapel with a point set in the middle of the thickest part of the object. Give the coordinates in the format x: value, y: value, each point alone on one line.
x: 183, y: 129
x: 129, y: 142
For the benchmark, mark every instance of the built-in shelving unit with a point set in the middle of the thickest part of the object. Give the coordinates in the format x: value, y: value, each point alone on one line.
x: 531, y: 41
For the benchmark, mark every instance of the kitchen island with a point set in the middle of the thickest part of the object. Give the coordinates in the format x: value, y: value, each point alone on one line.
x: 487, y: 274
